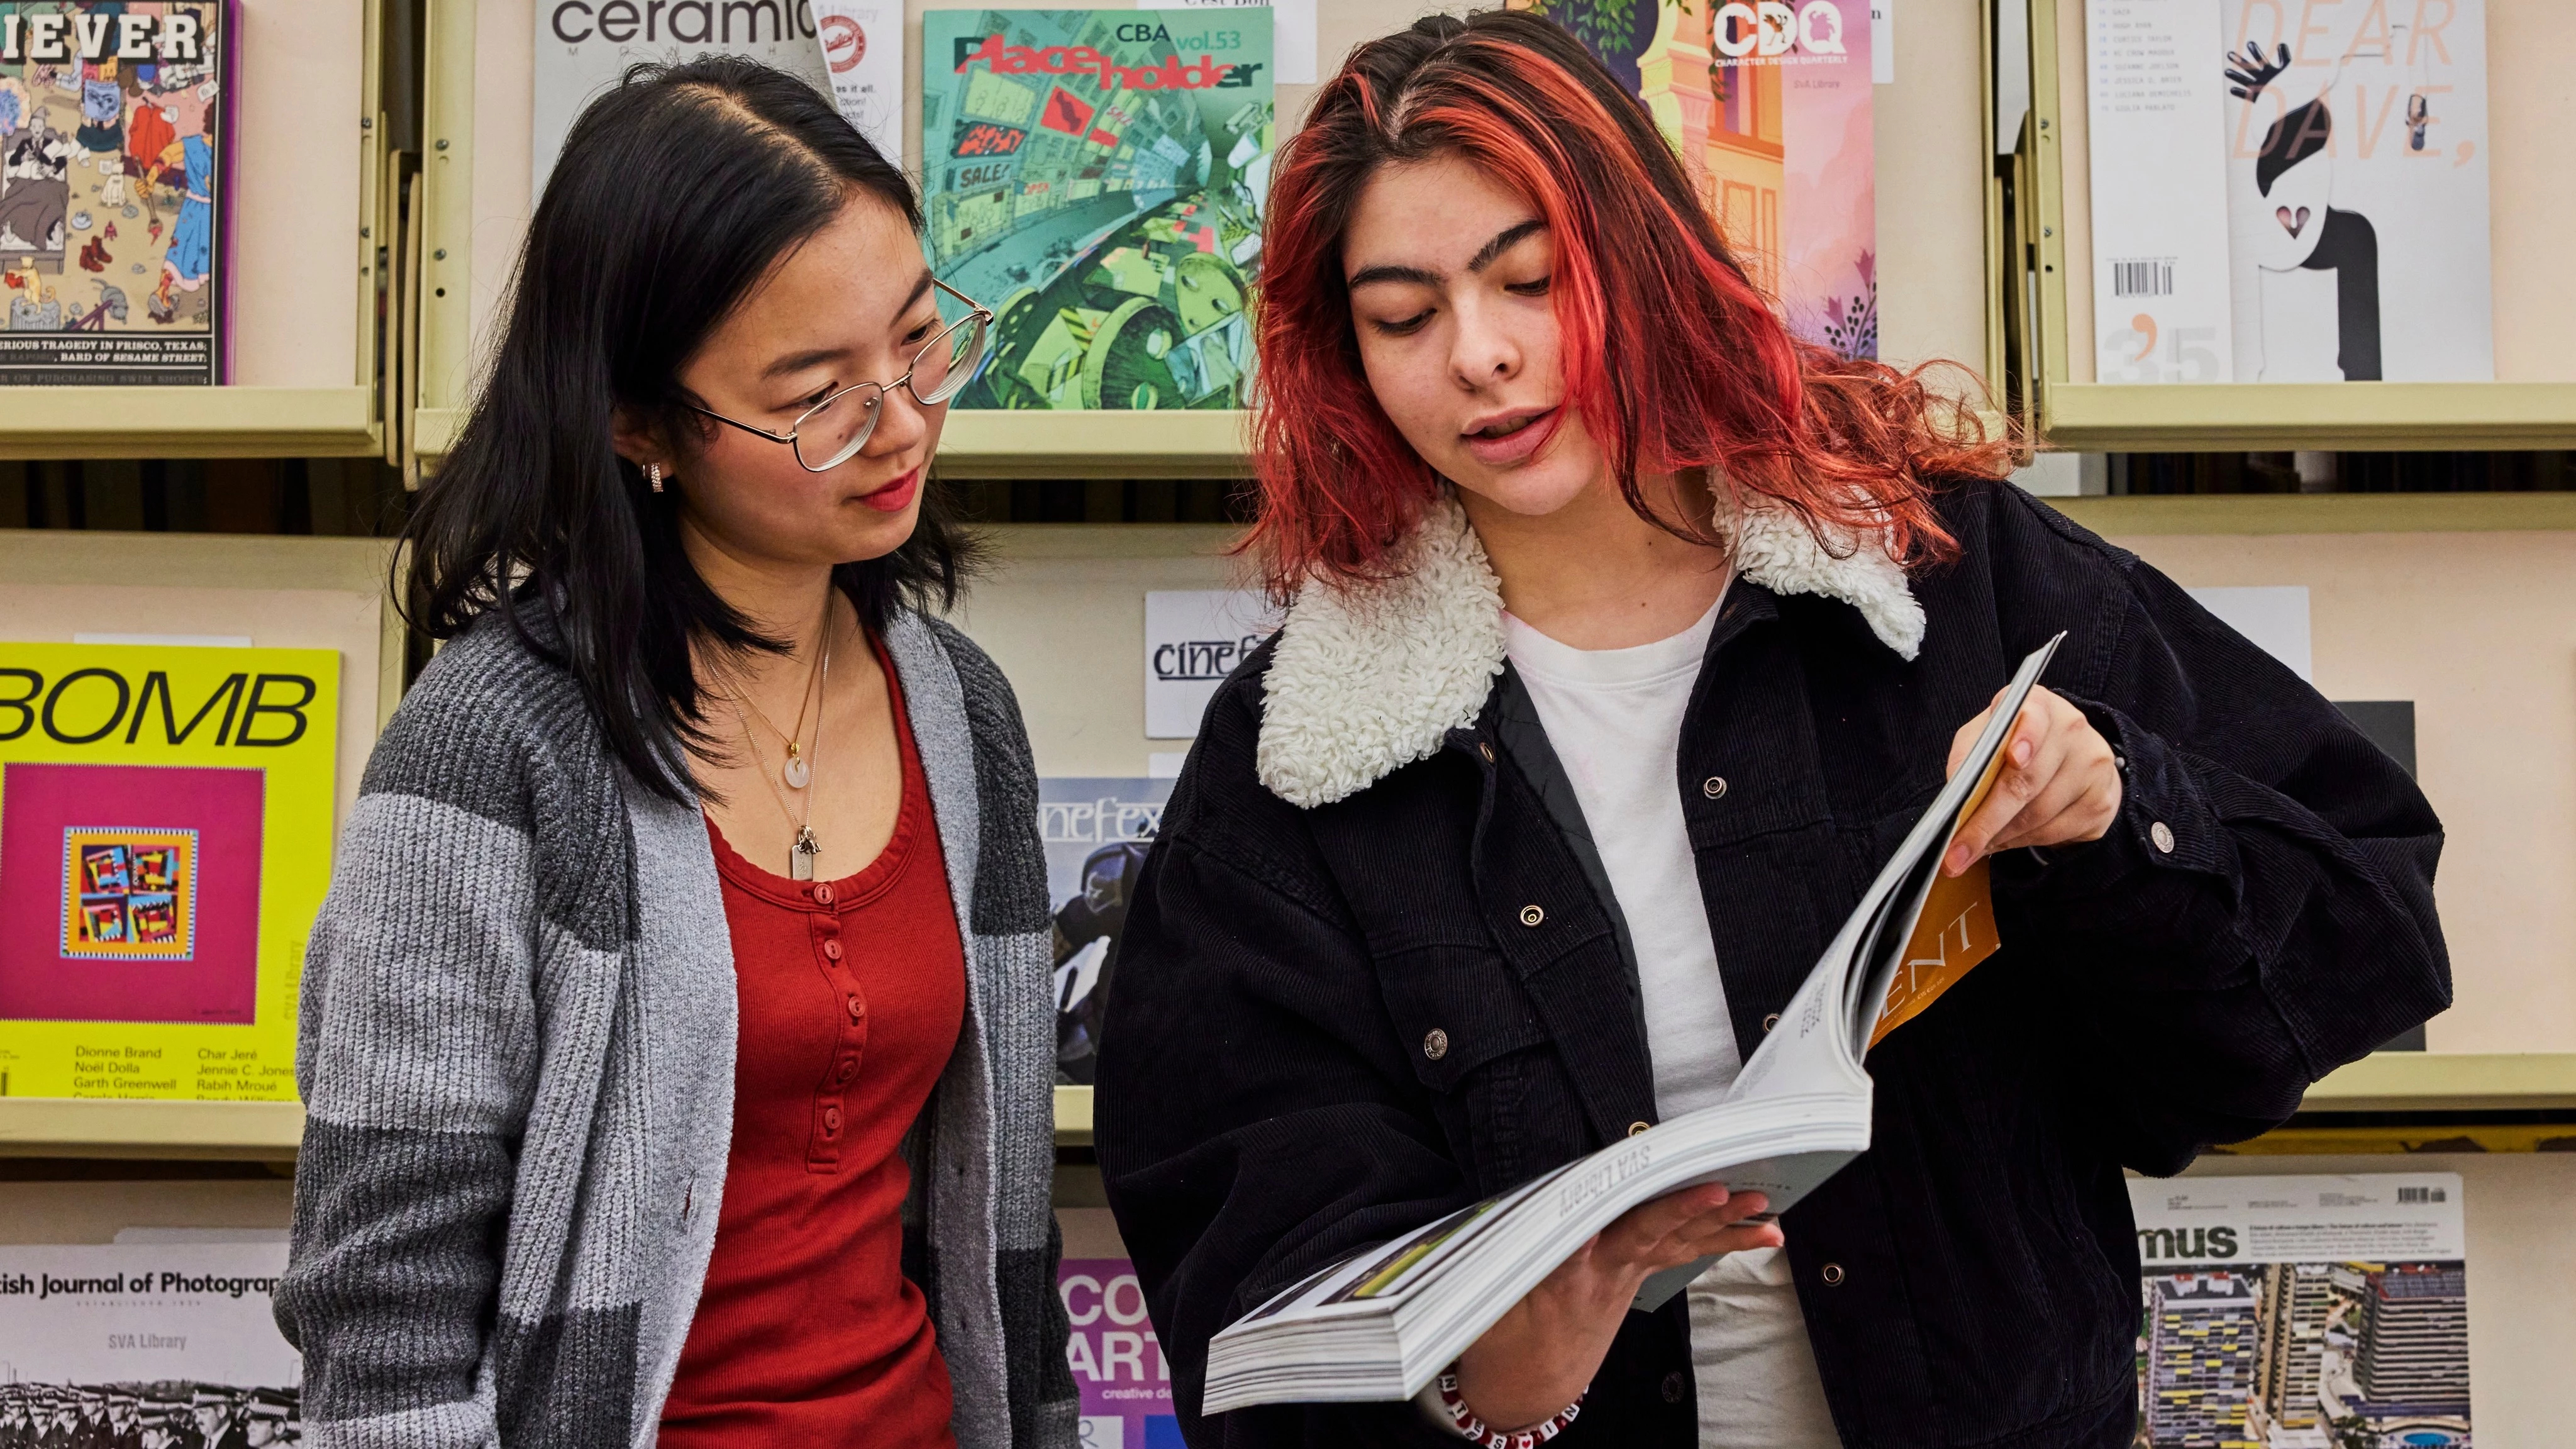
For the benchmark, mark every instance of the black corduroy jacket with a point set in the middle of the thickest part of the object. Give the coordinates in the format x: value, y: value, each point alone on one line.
x: 1345, y: 864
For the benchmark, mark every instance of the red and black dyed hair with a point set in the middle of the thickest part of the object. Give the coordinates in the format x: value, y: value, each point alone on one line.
x: 1672, y: 358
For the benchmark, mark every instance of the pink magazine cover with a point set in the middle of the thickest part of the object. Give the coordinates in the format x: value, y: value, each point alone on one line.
x: 129, y: 893
x: 1769, y: 108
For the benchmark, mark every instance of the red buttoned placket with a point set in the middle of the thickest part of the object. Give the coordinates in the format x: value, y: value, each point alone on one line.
x: 850, y: 1044
x: 852, y: 996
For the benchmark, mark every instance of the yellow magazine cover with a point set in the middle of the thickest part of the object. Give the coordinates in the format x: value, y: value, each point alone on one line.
x: 165, y: 841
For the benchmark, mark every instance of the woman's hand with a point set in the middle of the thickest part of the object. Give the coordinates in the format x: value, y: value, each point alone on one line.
x: 1542, y: 1354
x: 2060, y: 783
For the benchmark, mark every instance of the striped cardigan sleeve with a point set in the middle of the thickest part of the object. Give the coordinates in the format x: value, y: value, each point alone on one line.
x: 1010, y: 923
x: 422, y: 1023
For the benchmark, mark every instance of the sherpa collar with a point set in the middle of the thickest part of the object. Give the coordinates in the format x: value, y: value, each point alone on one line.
x: 1368, y: 679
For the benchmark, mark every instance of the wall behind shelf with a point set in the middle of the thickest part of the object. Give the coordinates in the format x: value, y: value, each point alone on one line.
x: 2472, y: 627
x: 298, y: 97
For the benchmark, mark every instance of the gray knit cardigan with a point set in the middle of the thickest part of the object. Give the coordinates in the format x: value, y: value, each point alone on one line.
x: 517, y: 1052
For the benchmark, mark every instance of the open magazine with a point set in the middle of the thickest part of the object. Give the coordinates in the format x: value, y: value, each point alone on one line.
x: 1380, y: 1323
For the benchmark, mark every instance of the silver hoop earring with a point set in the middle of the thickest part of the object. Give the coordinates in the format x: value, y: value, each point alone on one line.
x: 653, y: 475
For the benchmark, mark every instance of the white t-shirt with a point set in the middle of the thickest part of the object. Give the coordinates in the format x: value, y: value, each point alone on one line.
x: 1614, y: 718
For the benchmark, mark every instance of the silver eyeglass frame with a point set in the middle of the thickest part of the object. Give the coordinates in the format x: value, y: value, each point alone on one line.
x: 980, y: 315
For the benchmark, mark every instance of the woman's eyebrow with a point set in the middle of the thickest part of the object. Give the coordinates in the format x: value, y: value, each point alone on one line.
x: 799, y: 361
x: 816, y: 356
x: 920, y: 289
x: 1503, y: 241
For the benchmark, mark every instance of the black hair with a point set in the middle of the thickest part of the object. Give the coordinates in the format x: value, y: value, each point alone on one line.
x: 674, y: 195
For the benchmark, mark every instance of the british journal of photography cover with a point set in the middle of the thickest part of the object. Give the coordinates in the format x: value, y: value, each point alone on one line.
x: 115, y: 158
x: 1096, y: 178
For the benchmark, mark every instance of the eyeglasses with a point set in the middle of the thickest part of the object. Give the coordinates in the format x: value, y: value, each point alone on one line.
x: 832, y: 431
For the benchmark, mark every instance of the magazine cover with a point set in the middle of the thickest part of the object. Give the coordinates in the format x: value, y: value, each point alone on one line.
x: 2357, y: 192
x: 1096, y: 178
x: 2159, y: 168
x: 1769, y: 107
x: 2308, y: 1312
x: 1117, y: 1362
x: 115, y: 156
x: 2289, y: 196
x: 165, y: 840
x: 852, y: 53
x: 1095, y: 832
x: 145, y: 1344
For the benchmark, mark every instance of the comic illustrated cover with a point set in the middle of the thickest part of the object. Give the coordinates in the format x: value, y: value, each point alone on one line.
x: 165, y: 840
x: 114, y: 158
x: 1096, y: 178
x: 2304, y: 1312
x: 1769, y: 107
x: 1095, y: 831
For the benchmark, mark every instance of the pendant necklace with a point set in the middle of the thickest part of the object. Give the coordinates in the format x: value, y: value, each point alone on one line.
x: 799, y: 770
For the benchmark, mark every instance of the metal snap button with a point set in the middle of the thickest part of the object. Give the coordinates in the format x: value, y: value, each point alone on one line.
x: 2162, y: 835
x: 1532, y: 915
x: 1832, y: 1273
x: 1485, y: 750
x: 1673, y: 1387
x: 1639, y: 1129
x: 1435, y: 1044
x: 1714, y: 787
x: 1771, y: 1021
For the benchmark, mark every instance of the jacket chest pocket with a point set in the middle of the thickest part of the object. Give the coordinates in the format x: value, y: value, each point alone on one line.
x: 1478, y: 1047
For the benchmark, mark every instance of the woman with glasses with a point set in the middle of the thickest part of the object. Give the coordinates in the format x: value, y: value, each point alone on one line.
x: 1630, y: 636
x: 675, y: 1035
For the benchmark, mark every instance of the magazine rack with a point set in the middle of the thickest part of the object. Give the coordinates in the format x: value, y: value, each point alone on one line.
x: 476, y: 126
x: 308, y: 217
x: 2532, y: 402
x: 254, y: 1131
x: 2389, y: 1103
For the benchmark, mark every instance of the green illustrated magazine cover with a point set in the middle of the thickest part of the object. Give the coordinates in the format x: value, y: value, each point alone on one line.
x: 1096, y: 178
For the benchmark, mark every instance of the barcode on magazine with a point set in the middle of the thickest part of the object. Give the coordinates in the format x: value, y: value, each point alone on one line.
x: 2150, y: 277
x: 2422, y: 1194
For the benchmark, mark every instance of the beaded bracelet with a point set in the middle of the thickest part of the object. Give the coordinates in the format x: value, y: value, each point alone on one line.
x: 1476, y: 1430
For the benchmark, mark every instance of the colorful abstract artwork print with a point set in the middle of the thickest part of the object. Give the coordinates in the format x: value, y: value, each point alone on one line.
x: 129, y: 894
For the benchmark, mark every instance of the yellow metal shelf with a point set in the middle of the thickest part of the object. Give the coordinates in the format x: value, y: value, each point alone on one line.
x: 60, y: 1127
x: 992, y: 444
x: 2112, y: 417
x: 253, y: 1131
x: 189, y: 422
x: 2461, y: 1085
x: 2449, y: 1082
x: 2260, y: 513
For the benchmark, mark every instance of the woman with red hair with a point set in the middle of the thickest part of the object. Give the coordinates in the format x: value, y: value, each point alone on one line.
x: 1628, y: 636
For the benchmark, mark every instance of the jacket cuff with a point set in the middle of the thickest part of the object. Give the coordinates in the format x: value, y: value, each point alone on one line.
x: 2164, y: 847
